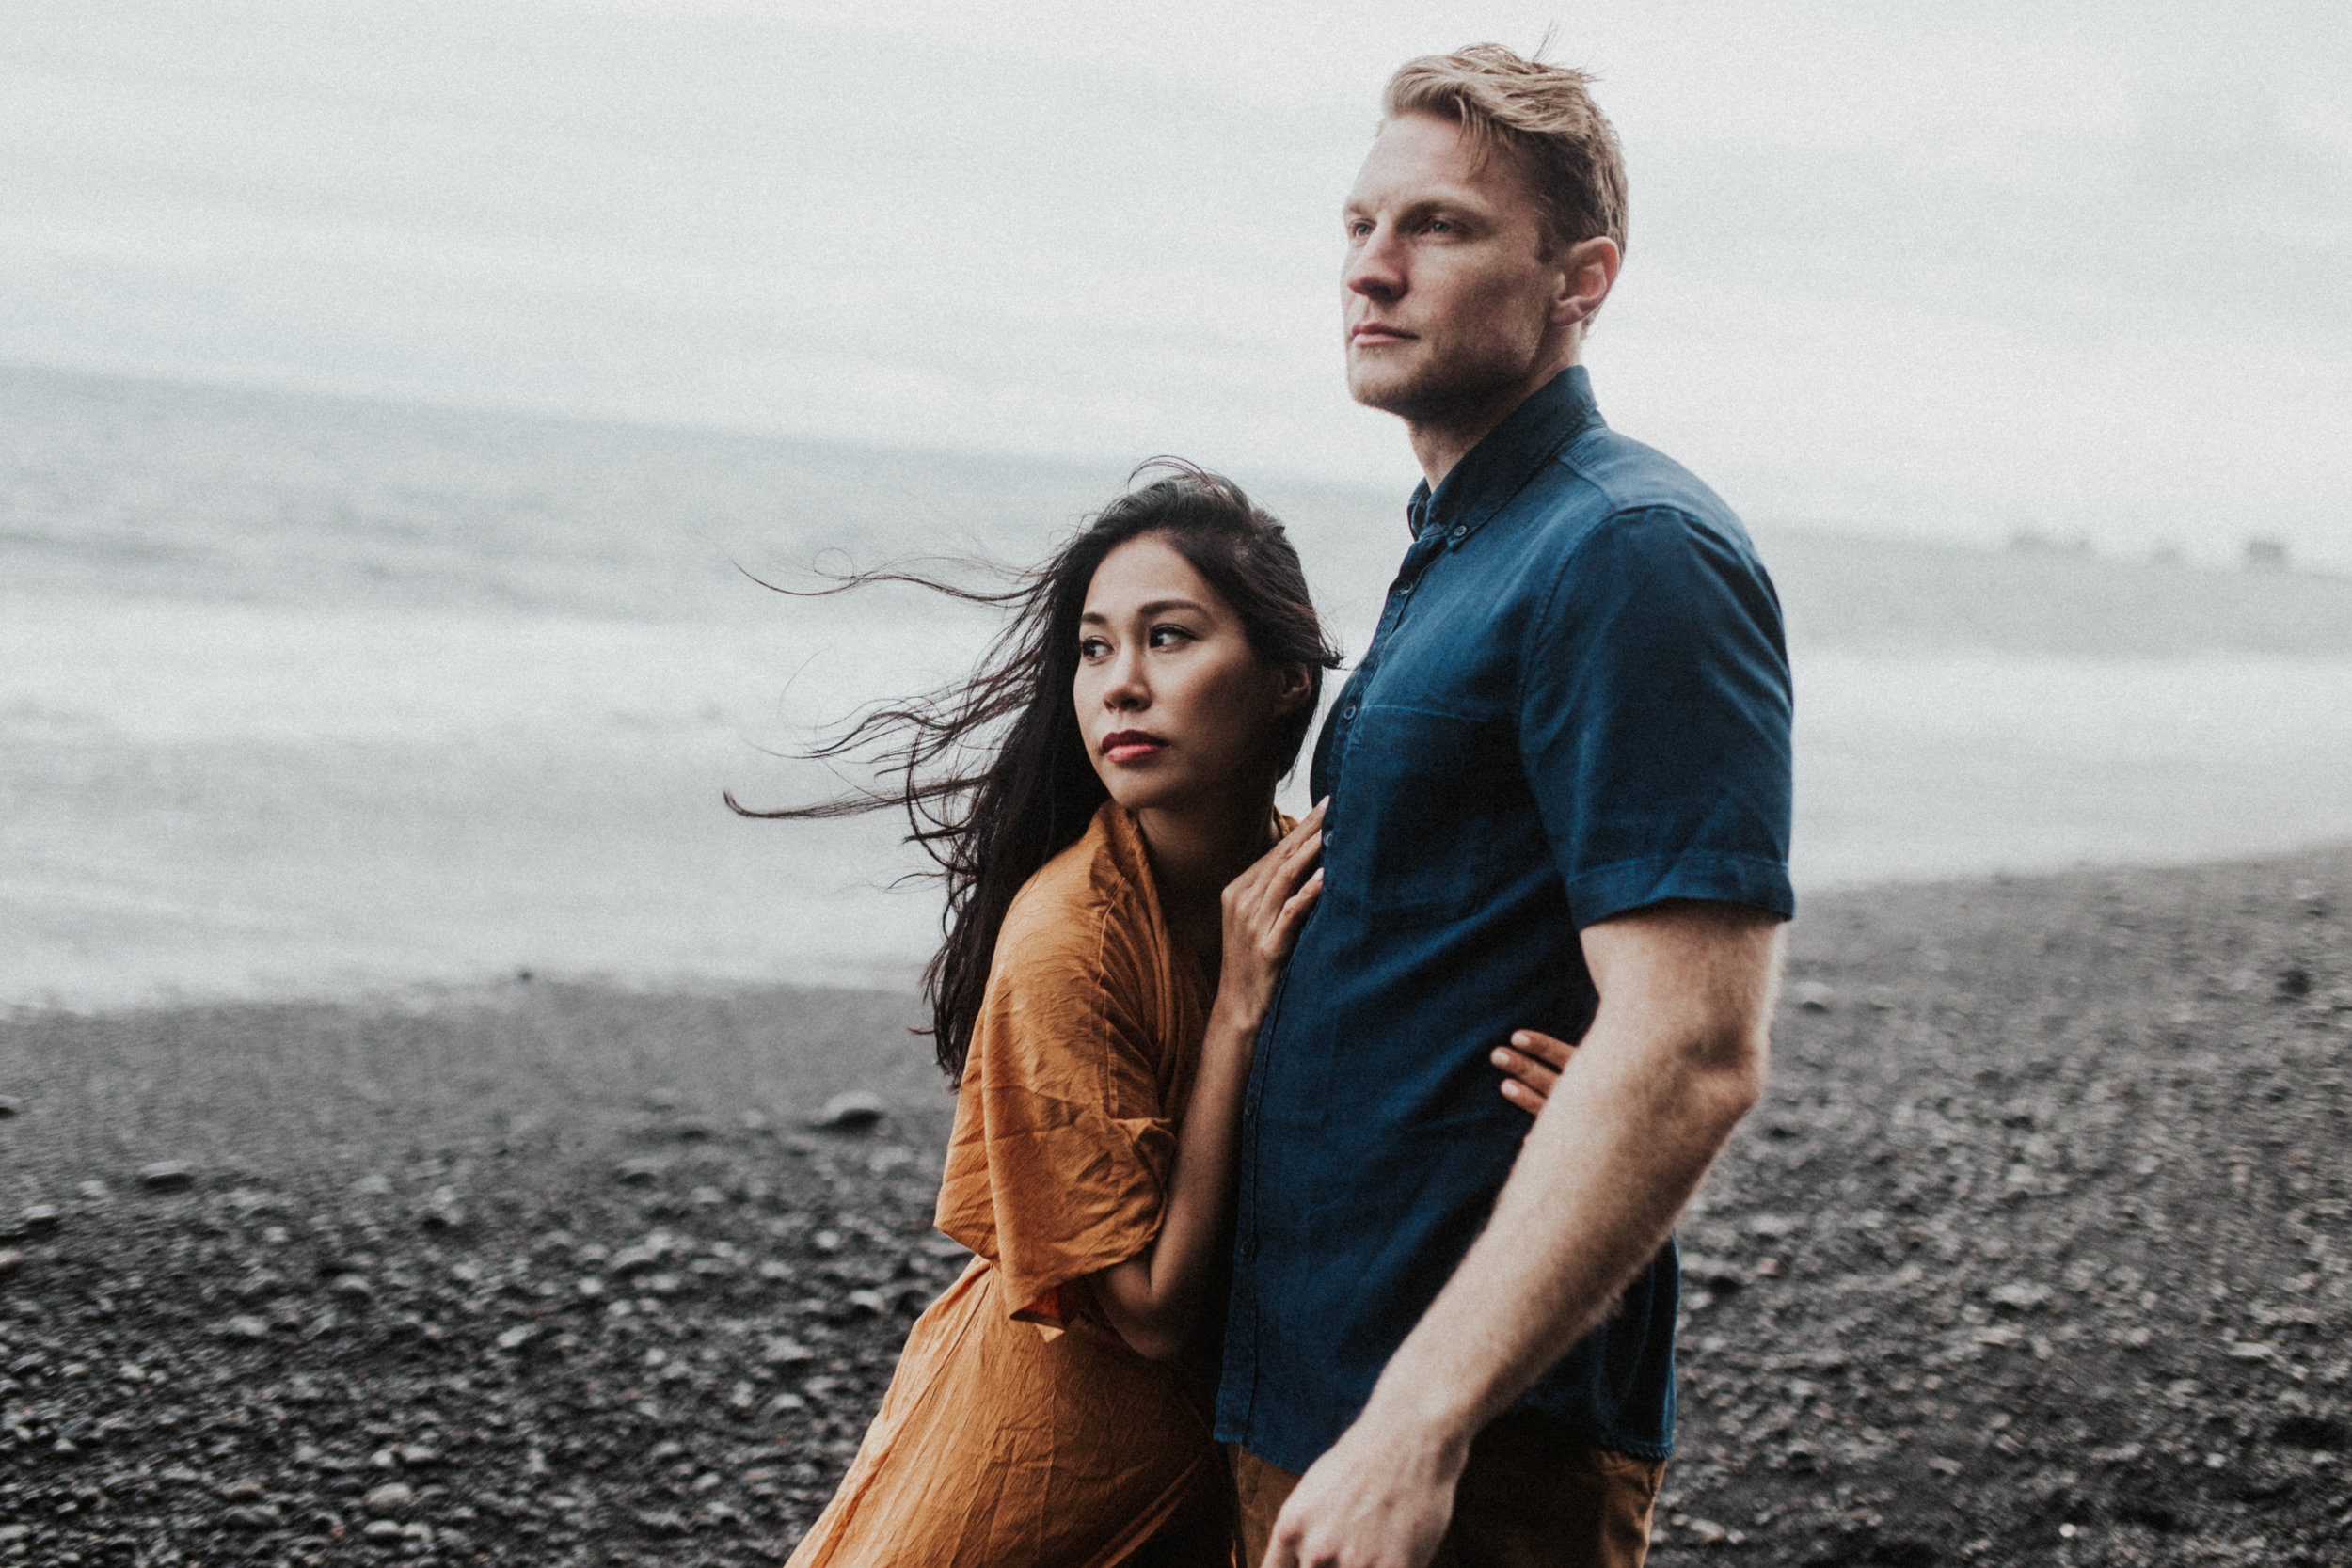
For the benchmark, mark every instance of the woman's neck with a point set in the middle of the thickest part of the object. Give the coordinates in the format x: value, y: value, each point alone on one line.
x: 1195, y: 852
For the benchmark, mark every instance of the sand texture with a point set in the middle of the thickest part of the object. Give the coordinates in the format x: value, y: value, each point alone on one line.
x: 2036, y: 1253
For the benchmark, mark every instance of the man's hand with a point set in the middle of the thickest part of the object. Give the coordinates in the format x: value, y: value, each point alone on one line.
x: 1372, y: 1501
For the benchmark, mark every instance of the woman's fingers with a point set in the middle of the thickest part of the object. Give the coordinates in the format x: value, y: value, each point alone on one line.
x: 1553, y: 1054
x: 1530, y: 1065
x: 1294, y: 914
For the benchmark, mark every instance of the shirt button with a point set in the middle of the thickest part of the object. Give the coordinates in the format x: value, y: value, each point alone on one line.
x: 1349, y: 712
x: 1407, y: 589
x: 1457, y: 531
x: 1249, y: 1246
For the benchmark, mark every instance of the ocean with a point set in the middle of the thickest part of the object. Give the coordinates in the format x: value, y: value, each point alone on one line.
x: 305, y: 695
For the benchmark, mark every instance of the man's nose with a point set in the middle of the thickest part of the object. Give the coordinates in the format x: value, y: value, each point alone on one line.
x: 1376, y: 266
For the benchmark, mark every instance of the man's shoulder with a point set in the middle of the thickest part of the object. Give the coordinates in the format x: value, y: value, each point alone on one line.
x: 1602, y: 475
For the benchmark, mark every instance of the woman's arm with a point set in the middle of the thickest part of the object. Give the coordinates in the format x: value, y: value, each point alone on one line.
x: 1153, y: 1299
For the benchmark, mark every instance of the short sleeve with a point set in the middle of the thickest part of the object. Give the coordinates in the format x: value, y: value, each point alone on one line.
x: 1058, y: 1165
x: 1655, y: 720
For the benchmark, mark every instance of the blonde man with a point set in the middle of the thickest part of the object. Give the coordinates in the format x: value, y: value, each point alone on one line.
x: 1559, y: 804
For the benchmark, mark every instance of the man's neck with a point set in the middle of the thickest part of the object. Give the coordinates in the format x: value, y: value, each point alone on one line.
x: 1441, y: 443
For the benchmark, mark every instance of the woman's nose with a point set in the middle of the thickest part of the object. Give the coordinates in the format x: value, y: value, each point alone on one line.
x: 1127, y: 688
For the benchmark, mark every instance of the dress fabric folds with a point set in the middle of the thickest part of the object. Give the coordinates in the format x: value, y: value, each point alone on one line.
x: 1020, y: 1430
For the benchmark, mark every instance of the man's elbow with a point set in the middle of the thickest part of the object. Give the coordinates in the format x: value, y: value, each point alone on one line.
x: 1731, y: 1063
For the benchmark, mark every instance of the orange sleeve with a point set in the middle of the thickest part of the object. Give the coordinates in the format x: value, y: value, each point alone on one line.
x: 1060, y: 1157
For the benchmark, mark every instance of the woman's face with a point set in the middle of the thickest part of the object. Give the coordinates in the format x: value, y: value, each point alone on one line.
x: 1175, y: 706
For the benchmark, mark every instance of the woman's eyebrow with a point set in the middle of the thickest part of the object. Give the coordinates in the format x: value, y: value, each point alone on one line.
x: 1155, y: 606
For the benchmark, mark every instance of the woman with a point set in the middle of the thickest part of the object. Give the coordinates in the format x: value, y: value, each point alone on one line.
x: 1121, y: 896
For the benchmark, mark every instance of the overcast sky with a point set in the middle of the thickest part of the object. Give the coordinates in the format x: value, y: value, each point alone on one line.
x: 1938, y: 269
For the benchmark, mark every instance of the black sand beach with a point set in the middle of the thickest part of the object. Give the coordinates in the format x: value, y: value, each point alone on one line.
x: 2037, y: 1252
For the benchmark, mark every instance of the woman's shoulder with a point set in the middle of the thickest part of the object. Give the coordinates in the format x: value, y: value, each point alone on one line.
x: 1094, y: 887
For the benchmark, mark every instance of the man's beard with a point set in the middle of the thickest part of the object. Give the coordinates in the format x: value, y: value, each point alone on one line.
x: 1439, y: 392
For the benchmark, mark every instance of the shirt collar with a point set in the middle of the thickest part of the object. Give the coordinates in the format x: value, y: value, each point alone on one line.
x: 1499, y: 466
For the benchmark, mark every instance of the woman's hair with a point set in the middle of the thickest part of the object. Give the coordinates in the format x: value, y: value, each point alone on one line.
x: 991, y: 771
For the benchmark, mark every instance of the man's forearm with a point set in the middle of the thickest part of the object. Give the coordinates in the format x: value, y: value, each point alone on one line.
x: 1625, y: 1140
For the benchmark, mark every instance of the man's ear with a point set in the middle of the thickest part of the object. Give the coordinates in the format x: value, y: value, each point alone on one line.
x: 1588, y: 270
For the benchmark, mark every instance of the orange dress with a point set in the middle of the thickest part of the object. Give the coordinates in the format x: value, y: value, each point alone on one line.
x: 1020, y: 1430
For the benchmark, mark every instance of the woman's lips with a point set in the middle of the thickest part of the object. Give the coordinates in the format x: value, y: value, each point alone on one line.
x: 1131, y: 746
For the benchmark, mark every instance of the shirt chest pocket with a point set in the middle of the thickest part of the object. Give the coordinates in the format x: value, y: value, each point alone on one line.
x: 1432, y: 812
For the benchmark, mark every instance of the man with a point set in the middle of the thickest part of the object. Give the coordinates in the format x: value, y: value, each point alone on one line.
x: 1559, y: 798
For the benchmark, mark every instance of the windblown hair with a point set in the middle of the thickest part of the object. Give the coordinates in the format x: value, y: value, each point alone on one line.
x: 1542, y: 116
x: 991, y: 771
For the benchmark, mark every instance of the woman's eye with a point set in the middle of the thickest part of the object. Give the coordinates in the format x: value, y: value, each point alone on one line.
x: 1165, y: 635
x: 1093, y: 647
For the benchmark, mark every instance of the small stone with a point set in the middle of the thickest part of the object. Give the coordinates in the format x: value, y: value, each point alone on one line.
x: 373, y: 1184
x: 260, y: 1285
x: 643, y: 1171
x: 867, y: 1304
x: 1771, y: 1227
x: 40, y: 1219
x: 243, y: 1492
x: 787, y: 1352
x: 96, y: 1191
x: 10, y: 1106
x: 519, y: 1337
x: 1813, y: 996
x: 255, y: 1516
x: 2021, y: 1296
x: 754, y: 1121
x: 381, y: 1529
x: 244, y: 1327
x: 851, y: 1111
x: 1706, y: 1532
x: 707, y: 1197
x: 390, y: 1498
x: 11, y: 1261
x: 418, y: 1456
x: 352, y: 1287
x: 167, y: 1176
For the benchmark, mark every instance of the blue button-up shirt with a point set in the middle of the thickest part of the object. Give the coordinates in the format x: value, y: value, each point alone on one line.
x: 1577, y: 703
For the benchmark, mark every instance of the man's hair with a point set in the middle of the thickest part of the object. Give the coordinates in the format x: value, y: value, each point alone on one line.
x: 1540, y: 114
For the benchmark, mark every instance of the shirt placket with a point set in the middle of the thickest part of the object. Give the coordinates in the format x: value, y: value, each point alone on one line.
x: 1241, y: 1332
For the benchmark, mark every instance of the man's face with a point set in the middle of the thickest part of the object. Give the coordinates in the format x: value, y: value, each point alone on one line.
x: 1446, y: 296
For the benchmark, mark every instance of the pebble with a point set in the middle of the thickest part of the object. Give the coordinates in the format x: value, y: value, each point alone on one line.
x: 246, y: 1327
x: 1813, y: 996
x: 642, y: 1171
x: 167, y: 1176
x: 851, y: 1111
x: 352, y: 1288
x: 391, y: 1497
x: 10, y: 1106
x: 41, y: 1219
x: 11, y: 1261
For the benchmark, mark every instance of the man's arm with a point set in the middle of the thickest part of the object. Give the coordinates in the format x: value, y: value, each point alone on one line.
x: 1675, y: 1057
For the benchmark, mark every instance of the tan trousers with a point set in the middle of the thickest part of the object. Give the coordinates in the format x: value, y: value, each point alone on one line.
x: 1526, y: 1499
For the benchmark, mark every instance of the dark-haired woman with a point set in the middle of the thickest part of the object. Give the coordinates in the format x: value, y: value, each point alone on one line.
x: 1122, y: 897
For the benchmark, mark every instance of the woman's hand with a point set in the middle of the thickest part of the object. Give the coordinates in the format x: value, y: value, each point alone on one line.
x: 1530, y: 1065
x: 1264, y: 909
